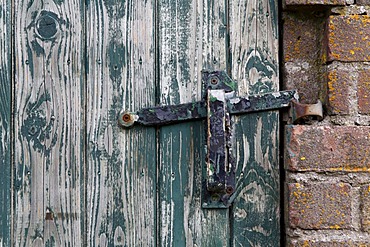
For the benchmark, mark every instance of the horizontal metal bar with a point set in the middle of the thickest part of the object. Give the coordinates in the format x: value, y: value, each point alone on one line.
x: 172, y: 113
x: 263, y: 102
x: 169, y: 114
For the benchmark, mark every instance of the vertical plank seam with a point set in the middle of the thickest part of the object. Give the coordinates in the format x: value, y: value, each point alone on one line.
x: 227, y: 40
x: 229, y: 72
x: 12, y: 119
x: 156, y: 70
x: 281, y: 128
x: 84, y: 163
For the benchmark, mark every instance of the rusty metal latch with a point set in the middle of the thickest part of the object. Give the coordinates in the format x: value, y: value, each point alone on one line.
x: 220, y: 102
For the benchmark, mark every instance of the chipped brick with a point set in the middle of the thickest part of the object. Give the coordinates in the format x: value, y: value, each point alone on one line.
x: 363, y: 92
x: 319, y: 205
x: 327, y: 148
x: 338, y: 92
x: 349, y: 38
x: 365, y: 208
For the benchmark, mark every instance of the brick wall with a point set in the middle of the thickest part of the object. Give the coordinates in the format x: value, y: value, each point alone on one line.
x: 326, y: 56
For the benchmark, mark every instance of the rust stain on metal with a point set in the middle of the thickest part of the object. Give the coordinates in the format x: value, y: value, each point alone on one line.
x: 126, y: 118
x: 299, y: 111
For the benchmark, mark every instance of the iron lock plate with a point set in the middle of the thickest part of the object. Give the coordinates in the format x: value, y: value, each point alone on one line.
x: 218, y: 104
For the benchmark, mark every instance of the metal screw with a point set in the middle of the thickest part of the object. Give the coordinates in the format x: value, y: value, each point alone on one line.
x: 229, y: 189
x: 126, y: 118
x: 215, y: 197
x: 214, y: 80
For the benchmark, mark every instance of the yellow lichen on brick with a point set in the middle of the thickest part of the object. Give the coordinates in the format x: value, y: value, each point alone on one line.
x: 306, y: 244
x: 336, y: 227
x: 332, y: 79
x: 349, y: 169
x: 367, y: 192
x: 354, y: 17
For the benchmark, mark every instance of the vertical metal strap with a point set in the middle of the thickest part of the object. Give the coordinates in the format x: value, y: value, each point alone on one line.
x: 216, y: 140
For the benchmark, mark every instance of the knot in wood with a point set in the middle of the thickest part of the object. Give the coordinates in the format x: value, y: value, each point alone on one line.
x: 47, y: 25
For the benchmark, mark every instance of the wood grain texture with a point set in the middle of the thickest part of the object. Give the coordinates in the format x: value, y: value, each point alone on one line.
x: 192, y: 37
x: 5, y: 113
x: 121, y: 177
x: 48, y: 126
x: 254, y: 56
x: 82, y: 180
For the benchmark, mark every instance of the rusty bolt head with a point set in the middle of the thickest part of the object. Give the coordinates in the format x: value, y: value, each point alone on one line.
x: 229, y: 190
x: 214, y: 80
x: 127, y: 119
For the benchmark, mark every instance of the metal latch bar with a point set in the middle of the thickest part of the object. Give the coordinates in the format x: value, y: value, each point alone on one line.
x: 216, y: 141
x: 219, y: 103
x: 170, y: 114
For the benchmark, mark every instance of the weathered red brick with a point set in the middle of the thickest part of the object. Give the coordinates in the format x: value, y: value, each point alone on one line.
x: 315, y: 2
x: 320, y: 243
x: 327, y: 148
x: 362, y: 2
x: 302, y: 54
x: 363, y: 92
x: 319, y: 205
x: 349, y: 38
x: 302, y: 31
x: 339, y: 82
x: 365, y: 208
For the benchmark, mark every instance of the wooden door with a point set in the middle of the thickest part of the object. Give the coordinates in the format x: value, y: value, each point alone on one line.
x: 73, y: 177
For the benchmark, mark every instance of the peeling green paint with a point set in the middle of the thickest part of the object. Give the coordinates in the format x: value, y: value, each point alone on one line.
x: 37, y: 48
x: 5, y: 120
x: 117, y: 57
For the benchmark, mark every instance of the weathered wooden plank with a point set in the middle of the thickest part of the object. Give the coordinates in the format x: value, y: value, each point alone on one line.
x: 256, y: 208
x: 49, y: 123
x: 192, y: 37
x: 254, y: 53
x: 121, y: 181
x: 5, y: 113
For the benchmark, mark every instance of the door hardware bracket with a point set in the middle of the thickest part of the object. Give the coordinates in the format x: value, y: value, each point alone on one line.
x: 218, y: 105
